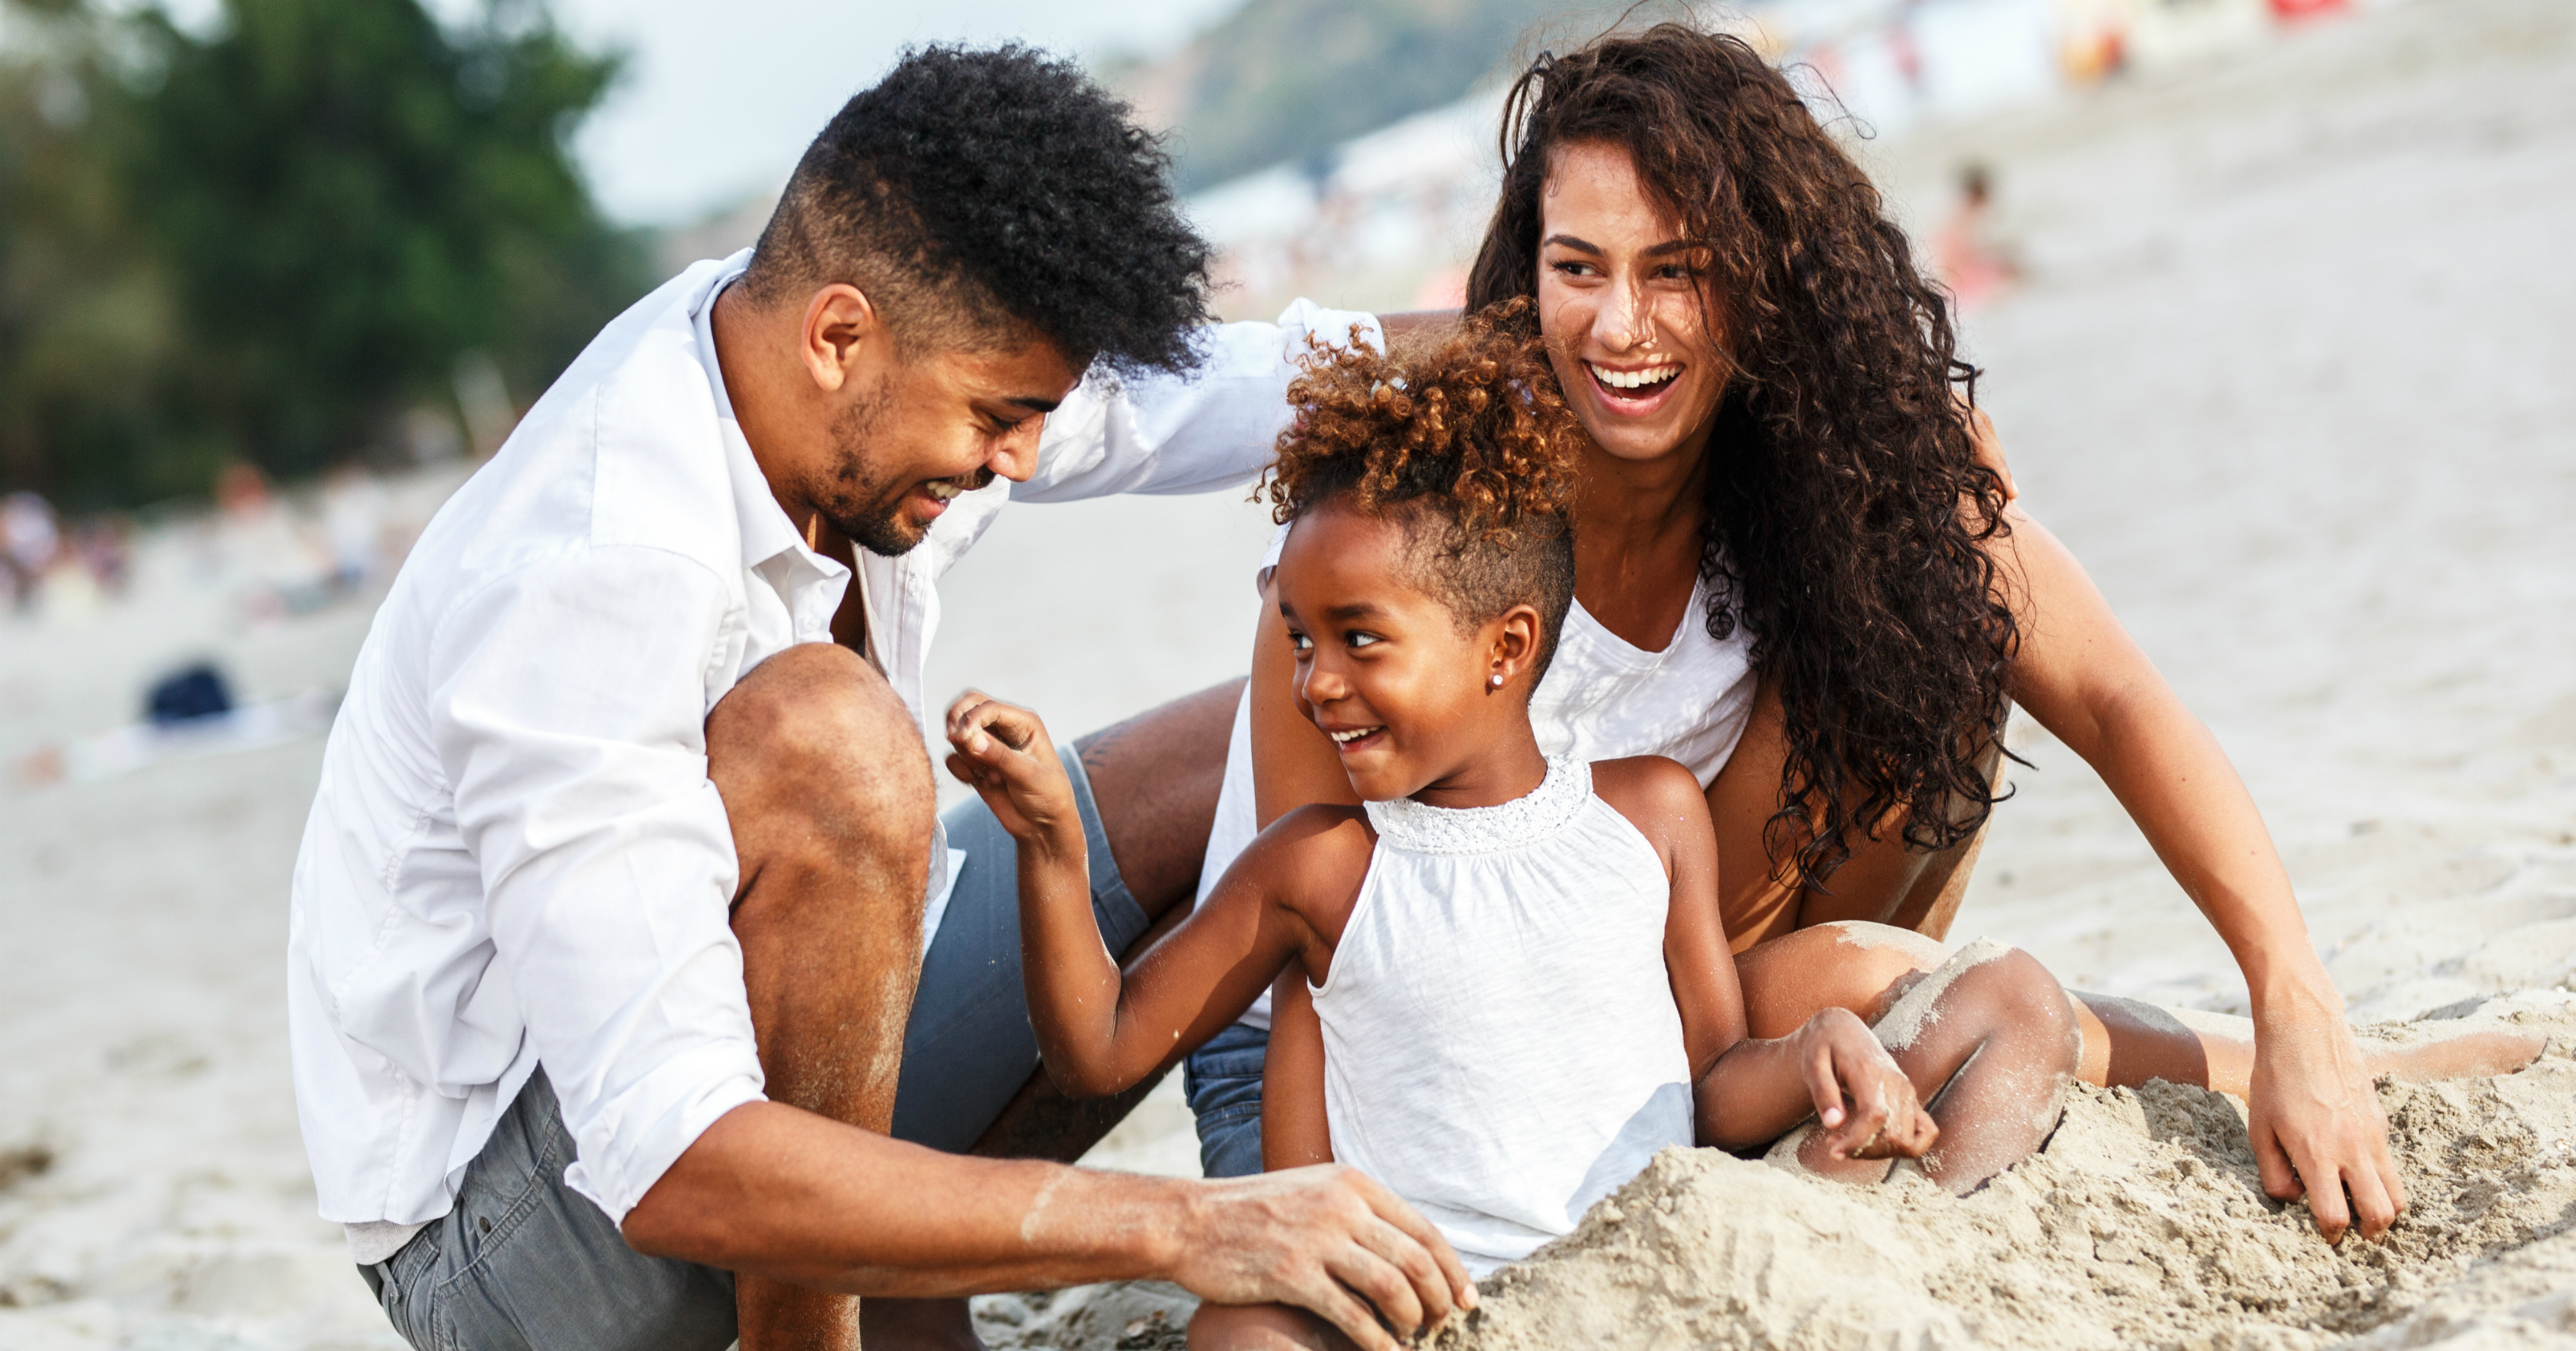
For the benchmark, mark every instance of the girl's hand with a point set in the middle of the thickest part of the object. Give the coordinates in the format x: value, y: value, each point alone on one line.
x: 1868, y: 1108
x: 1003, y: 753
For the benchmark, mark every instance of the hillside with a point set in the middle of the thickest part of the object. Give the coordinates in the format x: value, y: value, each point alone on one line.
x: 1283, y: 80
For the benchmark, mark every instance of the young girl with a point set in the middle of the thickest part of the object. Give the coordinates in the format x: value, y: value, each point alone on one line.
x: 1503, y: 982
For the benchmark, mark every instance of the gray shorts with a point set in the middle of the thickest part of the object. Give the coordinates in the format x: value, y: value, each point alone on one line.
x: 523, y: 1261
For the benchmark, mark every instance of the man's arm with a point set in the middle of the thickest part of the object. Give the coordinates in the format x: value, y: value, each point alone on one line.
x: 1202, y: 430
x: 778, y: 1192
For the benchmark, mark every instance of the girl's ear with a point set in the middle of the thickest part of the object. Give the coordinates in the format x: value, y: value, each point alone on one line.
x: 1513, y: 652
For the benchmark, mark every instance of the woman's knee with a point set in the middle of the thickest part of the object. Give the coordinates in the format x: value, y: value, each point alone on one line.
x: 2023, y: 1000
x: 1847, y: 964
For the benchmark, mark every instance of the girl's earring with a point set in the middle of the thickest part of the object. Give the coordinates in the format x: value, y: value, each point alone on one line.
x: 1496, y: 681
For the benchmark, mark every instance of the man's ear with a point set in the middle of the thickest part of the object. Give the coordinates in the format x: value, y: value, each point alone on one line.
x: 842, y: 331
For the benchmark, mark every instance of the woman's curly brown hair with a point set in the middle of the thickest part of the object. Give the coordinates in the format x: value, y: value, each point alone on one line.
x: 1467, y: 441
x: 1846, y: 517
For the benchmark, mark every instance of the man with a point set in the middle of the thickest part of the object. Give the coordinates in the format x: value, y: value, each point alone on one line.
x: 607, y: 922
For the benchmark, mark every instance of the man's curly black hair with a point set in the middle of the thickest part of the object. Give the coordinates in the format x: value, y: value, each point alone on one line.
x: 982, y: 196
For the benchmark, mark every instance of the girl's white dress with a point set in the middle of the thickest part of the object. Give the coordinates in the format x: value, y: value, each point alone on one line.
x: 1501, y: 1045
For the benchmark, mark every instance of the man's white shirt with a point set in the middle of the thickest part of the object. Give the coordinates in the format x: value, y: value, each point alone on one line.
x: 515, y: 855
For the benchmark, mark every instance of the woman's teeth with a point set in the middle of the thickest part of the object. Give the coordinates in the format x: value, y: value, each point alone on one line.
x: 1353, y: 735
x: 1639, y: 379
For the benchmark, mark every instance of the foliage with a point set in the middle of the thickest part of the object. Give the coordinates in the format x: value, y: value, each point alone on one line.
x: 266, y: 242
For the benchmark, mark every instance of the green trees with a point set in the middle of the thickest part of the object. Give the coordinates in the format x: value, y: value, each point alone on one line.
x: 267, y: 242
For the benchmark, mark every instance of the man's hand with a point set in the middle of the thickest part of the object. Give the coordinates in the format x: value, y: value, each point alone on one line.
x: 1323, y: 1238
x: 1004, y: 754
x: 1864, y: 1102
x: 2316, y: 1123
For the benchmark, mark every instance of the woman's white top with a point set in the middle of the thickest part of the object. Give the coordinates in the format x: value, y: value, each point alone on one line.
x: 1501, y: 1045
x: 1603, y: 698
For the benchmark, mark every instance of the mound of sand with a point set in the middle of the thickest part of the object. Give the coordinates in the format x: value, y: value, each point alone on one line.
x: 2142, y: 1223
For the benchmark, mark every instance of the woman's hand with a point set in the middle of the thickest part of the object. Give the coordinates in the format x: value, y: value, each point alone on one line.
x: 2315, y: 1120
x: 1868, y: 1108
x: 1004, y: 754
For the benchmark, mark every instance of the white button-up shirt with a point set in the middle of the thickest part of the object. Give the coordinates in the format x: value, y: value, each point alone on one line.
x: 516, y: 856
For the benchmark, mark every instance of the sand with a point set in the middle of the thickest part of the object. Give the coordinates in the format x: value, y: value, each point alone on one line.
x: 2289, y: 375
x: 2141, y: 1223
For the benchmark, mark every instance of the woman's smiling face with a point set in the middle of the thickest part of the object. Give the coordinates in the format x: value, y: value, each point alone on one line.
x: 1622, y: 299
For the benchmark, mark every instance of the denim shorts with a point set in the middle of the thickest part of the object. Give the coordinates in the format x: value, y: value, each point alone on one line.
x: 1223, y: 1081
x: 522, y: 1261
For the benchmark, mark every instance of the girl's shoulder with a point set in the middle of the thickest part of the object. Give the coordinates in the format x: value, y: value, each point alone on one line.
x: 1312, y: 861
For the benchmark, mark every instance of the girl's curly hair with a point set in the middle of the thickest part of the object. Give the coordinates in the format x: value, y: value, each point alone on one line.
x: 1846, y: 517
x: 1467, y: 442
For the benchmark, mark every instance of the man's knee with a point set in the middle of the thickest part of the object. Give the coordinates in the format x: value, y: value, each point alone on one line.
x: 813, y: 748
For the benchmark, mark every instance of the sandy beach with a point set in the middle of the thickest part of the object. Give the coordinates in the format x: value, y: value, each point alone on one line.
x: 2288, y: 371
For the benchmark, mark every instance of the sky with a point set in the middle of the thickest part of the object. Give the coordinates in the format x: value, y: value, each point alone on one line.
x: 720, y: 98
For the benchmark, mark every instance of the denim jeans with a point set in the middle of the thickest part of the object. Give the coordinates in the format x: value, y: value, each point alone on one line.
x: 1223, y: 1082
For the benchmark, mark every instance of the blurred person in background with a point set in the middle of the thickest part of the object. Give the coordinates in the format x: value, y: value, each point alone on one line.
x: 106, y: 548
x: 1964, y: 251
x: 353, y: 526
x: 272, y: 567
x: 607, y: 981
x: 29, y: 541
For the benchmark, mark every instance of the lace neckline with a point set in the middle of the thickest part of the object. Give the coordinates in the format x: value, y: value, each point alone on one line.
x: 1423, y: 829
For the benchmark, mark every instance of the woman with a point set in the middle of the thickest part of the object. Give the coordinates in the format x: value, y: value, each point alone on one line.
x: 1798, y: 575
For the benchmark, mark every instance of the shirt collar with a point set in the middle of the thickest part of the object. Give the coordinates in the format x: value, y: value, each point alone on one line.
x: 766, y: 531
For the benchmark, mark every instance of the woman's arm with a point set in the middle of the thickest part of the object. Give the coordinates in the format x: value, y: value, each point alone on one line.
x: 2085, y: 679
x: 1098, y: 1031
x: 1294, y: 1129
x: 1293, y: 764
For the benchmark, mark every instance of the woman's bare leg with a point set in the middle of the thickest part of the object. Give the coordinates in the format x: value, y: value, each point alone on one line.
x: 1262, y: 1327
x: 2129, y: 1041
x: 1992, y: 1053
x: 1866, y: 967
x: 2126, y: 1042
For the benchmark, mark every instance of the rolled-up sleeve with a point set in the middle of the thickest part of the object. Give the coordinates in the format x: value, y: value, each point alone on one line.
x: 567, y: 702
x: 1204, y: 431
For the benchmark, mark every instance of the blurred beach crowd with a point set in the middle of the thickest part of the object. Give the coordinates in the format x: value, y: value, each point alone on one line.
x: 1390, y: 220
x: 1386, y: 220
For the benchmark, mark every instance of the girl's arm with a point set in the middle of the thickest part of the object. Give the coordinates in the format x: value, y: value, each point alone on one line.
x: 1294, y: 1131
x: 1745, y: 1091
x: 1099, y: 1031
x: 2312, y: 1108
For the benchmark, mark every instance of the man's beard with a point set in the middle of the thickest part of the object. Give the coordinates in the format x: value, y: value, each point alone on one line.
x: 865, y: 506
